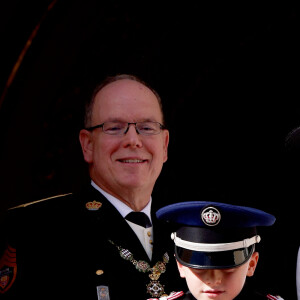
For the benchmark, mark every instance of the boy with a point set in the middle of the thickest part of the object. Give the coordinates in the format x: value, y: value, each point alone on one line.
x: 215, y: 248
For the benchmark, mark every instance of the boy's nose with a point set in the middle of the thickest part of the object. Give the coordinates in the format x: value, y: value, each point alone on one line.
x: 213, y: 277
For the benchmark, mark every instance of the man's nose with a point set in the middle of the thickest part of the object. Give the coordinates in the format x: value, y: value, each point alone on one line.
x: 130, y: 125
x: 132, y: 138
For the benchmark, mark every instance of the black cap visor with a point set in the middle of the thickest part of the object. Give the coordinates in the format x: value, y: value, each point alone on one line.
x: 213, y: 260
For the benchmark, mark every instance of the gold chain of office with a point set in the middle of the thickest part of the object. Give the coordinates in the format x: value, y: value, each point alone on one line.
x: 154, y: 287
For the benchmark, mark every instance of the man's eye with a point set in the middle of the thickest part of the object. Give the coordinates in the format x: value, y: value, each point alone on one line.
x: 146, y: 127
x: 114, y: 127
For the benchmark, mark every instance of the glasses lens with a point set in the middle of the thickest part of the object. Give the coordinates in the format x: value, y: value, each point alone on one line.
x: 120, y: 128
x: 114, y: 128
x: 148, y: 128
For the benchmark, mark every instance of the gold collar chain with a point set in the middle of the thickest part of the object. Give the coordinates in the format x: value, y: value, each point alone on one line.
x: 154, y: 288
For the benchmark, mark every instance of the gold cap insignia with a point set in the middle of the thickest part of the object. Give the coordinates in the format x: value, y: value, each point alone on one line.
x: 93, y: 205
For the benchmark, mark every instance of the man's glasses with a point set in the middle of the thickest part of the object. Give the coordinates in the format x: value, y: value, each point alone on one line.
x: 121, y: 128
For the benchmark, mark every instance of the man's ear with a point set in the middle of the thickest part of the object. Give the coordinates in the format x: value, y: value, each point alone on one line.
x: 181, y: 269
x: 166, y: 137
x: 86, y: 142
x: 252, y: 264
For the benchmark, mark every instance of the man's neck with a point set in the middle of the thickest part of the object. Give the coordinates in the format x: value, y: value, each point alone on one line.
x: 135, y: 200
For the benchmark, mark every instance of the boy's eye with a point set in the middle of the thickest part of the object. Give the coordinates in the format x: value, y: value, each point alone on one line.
x: 198, y: 271
x: 229, y: 270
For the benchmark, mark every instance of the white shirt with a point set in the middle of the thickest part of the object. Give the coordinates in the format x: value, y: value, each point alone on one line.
x: 145, y: 235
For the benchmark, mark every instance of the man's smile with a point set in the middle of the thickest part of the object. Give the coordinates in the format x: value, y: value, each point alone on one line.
x: 135, y: 160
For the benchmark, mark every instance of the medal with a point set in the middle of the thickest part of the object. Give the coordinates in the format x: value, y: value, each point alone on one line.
x: 154, y: 287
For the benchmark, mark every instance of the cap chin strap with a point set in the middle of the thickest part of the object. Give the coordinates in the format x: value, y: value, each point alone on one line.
x: 214, y: 247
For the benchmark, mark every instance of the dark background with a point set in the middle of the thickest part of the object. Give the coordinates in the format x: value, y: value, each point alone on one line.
x: 228, y: 75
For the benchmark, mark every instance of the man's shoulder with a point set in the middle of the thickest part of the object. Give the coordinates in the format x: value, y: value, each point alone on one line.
x: 50, y: 216
x: 57, y: 207
x: 47, y: 205
x: 48, y: 201
x: 58, y: 202
x: 20, y: 218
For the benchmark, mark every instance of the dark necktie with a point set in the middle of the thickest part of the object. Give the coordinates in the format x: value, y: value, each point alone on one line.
x: 139, y: 218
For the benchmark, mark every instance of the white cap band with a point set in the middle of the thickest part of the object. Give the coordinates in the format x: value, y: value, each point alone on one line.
x: 214, y: 247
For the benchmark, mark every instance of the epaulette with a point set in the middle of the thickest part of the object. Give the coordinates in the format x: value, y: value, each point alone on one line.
x: 173, y: 295
x: 274, y: 297
x: 38, y: 201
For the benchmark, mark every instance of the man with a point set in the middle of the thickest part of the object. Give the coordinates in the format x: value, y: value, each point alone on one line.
x: 80, y: 245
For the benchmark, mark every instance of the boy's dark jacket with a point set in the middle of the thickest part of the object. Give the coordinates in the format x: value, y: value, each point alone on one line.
x: 60, y: 245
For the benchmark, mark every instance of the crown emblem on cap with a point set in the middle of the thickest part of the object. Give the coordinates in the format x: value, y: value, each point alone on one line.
x: 210, y: 216
x: 93, y: 205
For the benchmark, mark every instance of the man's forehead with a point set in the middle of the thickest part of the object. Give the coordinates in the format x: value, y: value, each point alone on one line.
x: 124, y: 86
x: 123, y: 93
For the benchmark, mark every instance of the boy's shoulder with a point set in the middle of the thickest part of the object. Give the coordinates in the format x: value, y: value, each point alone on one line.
x: 245, y: 295
x: 250, y: 293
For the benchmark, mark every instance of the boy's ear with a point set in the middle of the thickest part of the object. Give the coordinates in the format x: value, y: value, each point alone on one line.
x: 181, y: 269
x: 252, y: 264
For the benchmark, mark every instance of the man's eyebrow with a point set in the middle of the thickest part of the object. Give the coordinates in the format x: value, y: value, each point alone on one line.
x: 113, y: 120
x: 126, y: 121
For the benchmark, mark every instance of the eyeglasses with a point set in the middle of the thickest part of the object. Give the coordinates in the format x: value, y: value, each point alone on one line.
x: 121, y: 128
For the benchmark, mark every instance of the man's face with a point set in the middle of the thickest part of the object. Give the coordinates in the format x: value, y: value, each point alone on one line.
x: 131, y: 161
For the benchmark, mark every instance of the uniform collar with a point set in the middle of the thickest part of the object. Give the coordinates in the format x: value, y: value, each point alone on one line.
x: 121, y: 207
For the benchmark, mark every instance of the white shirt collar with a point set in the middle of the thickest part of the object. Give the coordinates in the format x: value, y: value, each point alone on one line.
x: 122, y: 208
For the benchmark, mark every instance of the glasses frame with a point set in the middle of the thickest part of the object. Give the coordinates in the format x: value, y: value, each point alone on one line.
x: 161, y: 126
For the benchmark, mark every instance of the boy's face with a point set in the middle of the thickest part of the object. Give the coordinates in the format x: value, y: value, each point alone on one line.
x: 218, y: 284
